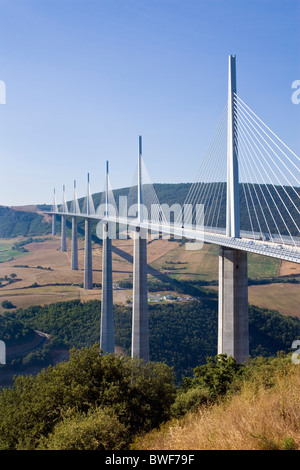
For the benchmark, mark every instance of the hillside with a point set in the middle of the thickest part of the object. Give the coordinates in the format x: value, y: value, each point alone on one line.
x: 111, y: 402
x: 29, y: 221
x: 260, y: 411
x: 15, y: 222
x: 182, y: 335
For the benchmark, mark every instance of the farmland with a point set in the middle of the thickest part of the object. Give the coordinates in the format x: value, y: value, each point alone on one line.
x: 42, y: 275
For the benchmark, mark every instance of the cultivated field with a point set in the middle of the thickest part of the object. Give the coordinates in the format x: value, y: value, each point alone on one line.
x: 43, y: 274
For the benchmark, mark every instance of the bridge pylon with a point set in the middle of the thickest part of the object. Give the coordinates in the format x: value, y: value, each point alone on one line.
x: 63, y: 225
x: 74, y: 258
x: 54, y: 208
x: 107, y: 338
x: 88, y: 267
x: 140, y: 330
x: 233, y: 329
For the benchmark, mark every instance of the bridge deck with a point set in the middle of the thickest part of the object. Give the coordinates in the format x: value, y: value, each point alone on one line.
x: 280, y: 249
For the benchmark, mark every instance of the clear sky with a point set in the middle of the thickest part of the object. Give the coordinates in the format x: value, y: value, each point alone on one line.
x: 85, y: 77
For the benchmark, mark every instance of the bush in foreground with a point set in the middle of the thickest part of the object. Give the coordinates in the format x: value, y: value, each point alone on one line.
x: 64, y: 397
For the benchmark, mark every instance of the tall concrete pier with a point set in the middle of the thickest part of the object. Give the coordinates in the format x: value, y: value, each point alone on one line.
x: 74, y: 263
x: 107, y: 336
x: 107, y: 339
x: 88, y: 268
x: 140, y: 333
x: 74, y: 259
x: 140, y: 330
x: 233, y: 329
x: 53, y: 224
x: 63, y: 223
x: 233, y: 335
x: 63, y: 233
x: 54, y: 209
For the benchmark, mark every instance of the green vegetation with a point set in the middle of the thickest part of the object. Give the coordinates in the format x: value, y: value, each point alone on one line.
x: 202, y: 265
x: 10, y: 250
x: 14, y: 223
x: 4, y: 281
x: 96, y: 402
x: 254, y: 406
x: 111, y: 402
x: 90, y: 402
x: 13, y: 331
x: 262, y: 266
x: 7, y: 304
x: 29, y: 240
x: 182, y: 335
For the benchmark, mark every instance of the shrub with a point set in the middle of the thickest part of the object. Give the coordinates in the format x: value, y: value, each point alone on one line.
x: 140, y: 395
x: 99, y: 429
x: 189, y: 401
x: 7, y: 304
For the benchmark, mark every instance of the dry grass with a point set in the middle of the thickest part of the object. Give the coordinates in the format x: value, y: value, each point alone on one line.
x: 287, y: 268
x: 282, y: 297
x: 254, y: 419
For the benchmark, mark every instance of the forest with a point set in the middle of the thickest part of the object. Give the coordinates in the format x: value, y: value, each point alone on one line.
x: 182, y: 335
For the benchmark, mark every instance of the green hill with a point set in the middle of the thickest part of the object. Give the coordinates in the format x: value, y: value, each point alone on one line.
x: 15, y: 223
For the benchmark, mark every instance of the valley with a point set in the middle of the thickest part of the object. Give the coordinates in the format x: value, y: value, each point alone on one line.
x: 42, y: 274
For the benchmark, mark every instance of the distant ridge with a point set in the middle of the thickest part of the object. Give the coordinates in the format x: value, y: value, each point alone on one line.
x: 16, y: 222
x: 30, y: 221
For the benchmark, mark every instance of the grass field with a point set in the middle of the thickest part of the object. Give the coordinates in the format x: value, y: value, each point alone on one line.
x: 203, y: 264
x: 7, y: 253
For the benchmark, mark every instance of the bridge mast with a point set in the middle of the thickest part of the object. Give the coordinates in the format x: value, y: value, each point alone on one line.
x: 140, y: 334
x: 63, y: 223
x: 233, y: 211
x: 54, y: 208
x: 88, y: 270
x: 107, y: 339
x: 74, y: 258
x: 233, y: 327
x: 140, y: 196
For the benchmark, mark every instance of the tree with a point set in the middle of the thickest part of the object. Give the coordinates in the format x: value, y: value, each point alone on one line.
x: 99, y: 429
x: 140, y: 396
x: 7, y: 304
x: 215, y: 376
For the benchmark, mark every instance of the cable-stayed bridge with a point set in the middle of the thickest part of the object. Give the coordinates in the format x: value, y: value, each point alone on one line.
x: 245, y: 198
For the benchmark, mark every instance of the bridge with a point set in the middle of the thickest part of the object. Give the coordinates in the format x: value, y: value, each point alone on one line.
x: 246, y: 166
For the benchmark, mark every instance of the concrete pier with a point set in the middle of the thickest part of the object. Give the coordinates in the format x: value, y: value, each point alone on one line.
x: 88, y: 269
x: 53, y: 224
x: 233, y: 328
x: 63, y: 234
x: 74, y: 245
x: 140, y: 333
x: 107, y: 339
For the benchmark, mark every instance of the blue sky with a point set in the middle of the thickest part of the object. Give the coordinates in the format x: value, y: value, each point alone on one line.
x: 85, y: 77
